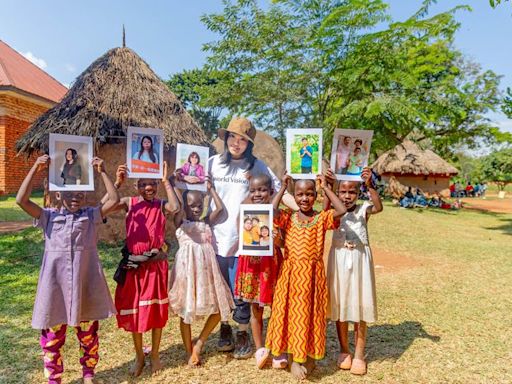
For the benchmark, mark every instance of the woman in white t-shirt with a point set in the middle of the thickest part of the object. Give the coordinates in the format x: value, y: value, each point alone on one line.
x: 229, y: 173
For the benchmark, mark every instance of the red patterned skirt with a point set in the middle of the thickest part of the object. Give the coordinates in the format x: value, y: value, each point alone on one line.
x: 142, y: 302
x: 256, y: 277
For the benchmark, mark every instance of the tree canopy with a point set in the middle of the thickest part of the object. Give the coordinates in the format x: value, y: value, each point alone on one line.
x: 347, y: 64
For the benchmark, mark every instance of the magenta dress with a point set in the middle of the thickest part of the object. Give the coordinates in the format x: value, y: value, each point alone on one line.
x: 72, y: 287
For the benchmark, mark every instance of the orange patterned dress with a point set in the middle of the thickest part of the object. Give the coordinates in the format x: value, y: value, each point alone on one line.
x: 298, y: 322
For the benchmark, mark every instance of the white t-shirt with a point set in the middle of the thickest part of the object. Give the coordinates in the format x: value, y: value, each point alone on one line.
x: 232, y: 185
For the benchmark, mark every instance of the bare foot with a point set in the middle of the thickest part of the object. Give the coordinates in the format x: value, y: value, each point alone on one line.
x: 156, y: 365
x: 298, y: 371
x: 137, y: 367
x: 195, y: 356
x: 310, y: 365
x: 88, y: 380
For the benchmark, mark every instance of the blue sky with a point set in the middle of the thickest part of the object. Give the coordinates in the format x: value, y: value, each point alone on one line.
x: 64, y: 37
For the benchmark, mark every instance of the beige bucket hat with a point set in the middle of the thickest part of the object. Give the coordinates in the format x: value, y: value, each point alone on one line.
x: 241, y: 126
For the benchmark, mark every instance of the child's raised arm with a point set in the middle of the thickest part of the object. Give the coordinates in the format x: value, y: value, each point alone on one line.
x: 377, y: 207
x: 172, y: 205
x: 339, y: 207
x: 330, y: 179
x: 123, y: 203
x: 112, y: 194
x: 276, y: 200
x: 23, y: 195
x: 219, y: 207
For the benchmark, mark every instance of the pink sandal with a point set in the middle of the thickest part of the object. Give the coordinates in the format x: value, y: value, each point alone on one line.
x: 358, y: 367
x: 344, y: 361
x: 261, y: 356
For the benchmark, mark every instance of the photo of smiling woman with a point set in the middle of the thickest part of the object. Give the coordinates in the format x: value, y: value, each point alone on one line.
x: 71, y: 169
x: 144, y: 152
x: 190, y: 160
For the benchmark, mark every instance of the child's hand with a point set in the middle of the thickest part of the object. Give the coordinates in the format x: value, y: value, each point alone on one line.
x: 42, y: 162
x: 165, y: 173
x: 209, y: 184
x: 323, y: 182
x: 330, y: 177
x: 286, y: 180
x: 121, y: 173
x: 366, y: 175
x: 98, y: 164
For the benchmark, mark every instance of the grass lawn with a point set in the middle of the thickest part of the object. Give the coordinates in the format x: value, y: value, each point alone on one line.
x: 444, y: 318
x: 9, y: 210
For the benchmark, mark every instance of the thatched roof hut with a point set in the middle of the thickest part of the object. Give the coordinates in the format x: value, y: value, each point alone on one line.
x: 416, y: 167
x: 116, y: 91
x: 408, y: 158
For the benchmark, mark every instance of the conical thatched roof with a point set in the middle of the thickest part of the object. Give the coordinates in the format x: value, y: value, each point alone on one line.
x: 409, y: 159
x: 118, y: 90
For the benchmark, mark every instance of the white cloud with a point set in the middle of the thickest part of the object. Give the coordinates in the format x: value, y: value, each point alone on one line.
x: 505, y: 125
x: 35, y: 60
x: 70, y: 67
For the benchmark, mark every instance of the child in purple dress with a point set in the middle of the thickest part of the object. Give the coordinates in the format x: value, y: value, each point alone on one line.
x: 72, y: 289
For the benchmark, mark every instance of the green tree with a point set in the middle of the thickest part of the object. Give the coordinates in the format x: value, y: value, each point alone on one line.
x: 190, y: 87
x: 497, y: 167
x: 330, y: 64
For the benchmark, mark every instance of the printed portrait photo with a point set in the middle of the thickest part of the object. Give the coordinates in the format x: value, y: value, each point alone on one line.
x: 350, y: 152
x: 191, y: 166
x: 70, y: 163
x: 303, y: 152
x: 144, y: 152
x: 256, y: 230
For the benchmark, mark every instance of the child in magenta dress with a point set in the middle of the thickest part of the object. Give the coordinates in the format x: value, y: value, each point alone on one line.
x: 141, y: 294
x: 72, y: 289
x: 198, y: 288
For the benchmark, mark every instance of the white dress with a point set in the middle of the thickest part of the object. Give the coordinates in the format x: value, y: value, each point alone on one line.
x: 350, y: 272
x: 198, y: 288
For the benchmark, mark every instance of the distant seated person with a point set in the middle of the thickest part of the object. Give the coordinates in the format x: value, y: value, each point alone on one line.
x: 419, y: 199
x: 408, y: 200
x: 470, y: 191
x: 453, y: 190
x: 457, y: 204
x: 435, y: 200
x: 476, y: 190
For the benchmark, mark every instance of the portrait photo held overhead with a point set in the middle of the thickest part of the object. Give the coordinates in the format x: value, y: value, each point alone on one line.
x: 350, y: 152
x: 144, y: 152
x: 304, y: 152
x: 70, y: 163
x: 256, y: 223
x: 190, y: 166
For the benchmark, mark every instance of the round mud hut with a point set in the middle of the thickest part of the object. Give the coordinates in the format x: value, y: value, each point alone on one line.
x: 116, y: 91
x: 414, y: 167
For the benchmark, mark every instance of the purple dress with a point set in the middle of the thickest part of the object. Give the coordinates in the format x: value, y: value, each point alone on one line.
x: 72, y: 287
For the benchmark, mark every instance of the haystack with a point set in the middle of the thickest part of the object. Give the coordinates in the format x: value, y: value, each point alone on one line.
x: 416, y: 167
x: 117, y: 90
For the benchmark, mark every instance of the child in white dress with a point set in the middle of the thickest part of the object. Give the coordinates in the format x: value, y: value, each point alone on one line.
x: 350, y: 272
x: 198, y: 288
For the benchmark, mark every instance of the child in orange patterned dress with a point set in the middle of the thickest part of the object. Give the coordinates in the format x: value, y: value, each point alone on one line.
x: 298, y: 322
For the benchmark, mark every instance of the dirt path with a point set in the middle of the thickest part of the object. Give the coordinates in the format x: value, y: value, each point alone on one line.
x: 14, y: 226
x: 497, y: 206
x: 383, y: 260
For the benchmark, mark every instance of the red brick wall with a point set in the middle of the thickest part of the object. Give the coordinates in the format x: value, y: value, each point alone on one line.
x: 18, y: 114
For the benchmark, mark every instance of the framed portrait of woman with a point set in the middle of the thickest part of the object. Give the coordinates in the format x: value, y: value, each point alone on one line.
x: 191, y: 168
x: 70, y: 163
x: 144, y: 152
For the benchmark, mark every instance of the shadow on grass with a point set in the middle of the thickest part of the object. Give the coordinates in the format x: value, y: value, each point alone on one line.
x: 390, y: 341
x: 506, y: 228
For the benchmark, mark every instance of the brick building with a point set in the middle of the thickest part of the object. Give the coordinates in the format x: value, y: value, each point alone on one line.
x: 26, y: 92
